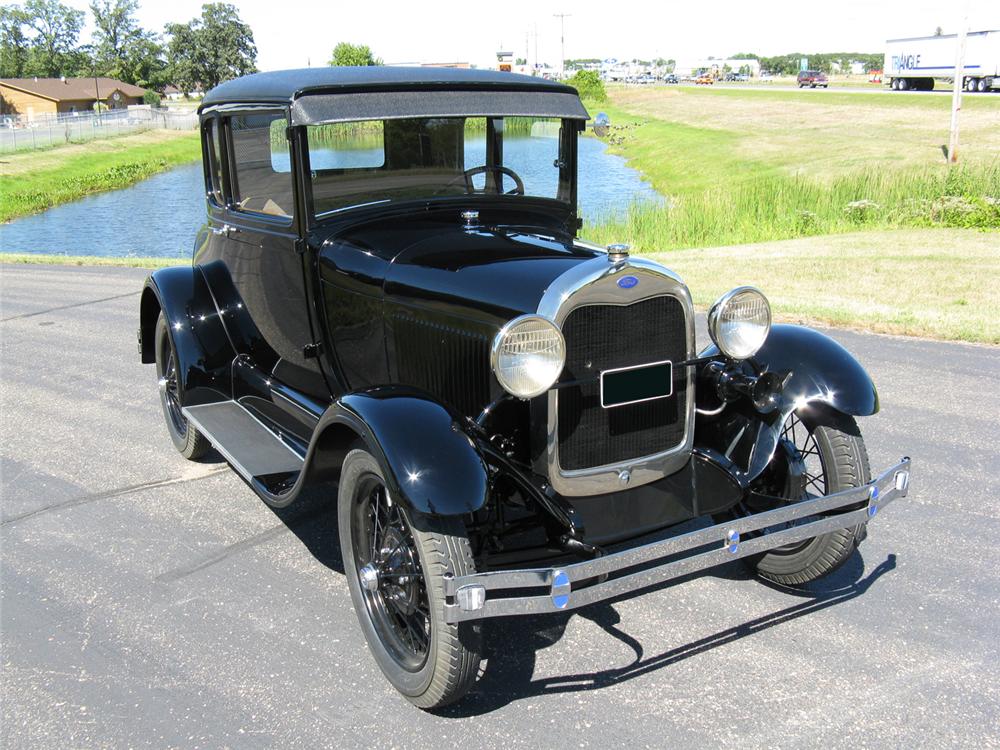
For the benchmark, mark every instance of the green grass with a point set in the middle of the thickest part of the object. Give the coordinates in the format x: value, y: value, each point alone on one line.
x: 91, y: 260
x: 35, y: 182
x: 936, y: 283
x: 740, y: 167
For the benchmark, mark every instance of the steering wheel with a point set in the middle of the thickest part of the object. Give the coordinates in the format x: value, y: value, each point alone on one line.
x: 485, y: 169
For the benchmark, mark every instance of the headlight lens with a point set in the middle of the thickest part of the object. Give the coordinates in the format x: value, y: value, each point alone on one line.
x: 739, y: 322
x: 528, y: 355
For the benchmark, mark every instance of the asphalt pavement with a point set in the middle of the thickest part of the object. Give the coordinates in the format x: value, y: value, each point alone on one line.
x: 152, y: 602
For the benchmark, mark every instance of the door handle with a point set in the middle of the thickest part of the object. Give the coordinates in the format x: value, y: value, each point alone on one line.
x: 224, y: 231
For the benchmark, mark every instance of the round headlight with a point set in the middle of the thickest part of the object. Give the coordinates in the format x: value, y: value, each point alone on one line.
x: 739, y: 322
x: 527, y: 356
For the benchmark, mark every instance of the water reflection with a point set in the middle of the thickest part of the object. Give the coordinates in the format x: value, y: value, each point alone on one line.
x: 160, y: 216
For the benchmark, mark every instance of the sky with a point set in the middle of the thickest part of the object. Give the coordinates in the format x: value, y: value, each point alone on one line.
x: 297, y: 33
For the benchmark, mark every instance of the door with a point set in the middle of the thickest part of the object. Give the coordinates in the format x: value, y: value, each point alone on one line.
x: 252, y: 259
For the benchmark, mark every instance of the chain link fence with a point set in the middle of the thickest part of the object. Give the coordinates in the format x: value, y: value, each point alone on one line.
x: 20, y: 134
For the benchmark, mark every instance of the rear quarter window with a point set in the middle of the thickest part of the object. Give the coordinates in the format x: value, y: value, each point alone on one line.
x: 261, y: 164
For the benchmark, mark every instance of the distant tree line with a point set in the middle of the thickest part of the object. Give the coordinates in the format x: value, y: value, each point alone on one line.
x: 41, y: 38
x: 825, y: 61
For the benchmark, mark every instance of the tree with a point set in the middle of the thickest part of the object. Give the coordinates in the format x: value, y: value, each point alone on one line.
x: 14, y: 47
x: 346, y: 53
x: 123, y: 49
x: 589, y: 85
x: 938, y: 31
x: 56, y: 28
x: 211, y: 49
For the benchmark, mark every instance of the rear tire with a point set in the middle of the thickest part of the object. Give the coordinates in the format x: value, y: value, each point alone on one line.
x: 981, y: 85
x: 189, y: 442
x: 834, y: 458
x: 904, y: 84
x: 403, y: 558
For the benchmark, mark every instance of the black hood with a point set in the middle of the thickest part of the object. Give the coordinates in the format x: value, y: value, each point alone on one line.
x: 491, y: 272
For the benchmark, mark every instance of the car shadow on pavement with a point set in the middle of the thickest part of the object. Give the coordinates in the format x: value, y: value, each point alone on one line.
x: 313, y: 519
x: 509, y: 671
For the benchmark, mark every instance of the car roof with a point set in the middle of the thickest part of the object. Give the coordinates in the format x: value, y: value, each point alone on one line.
x: 285, y: 86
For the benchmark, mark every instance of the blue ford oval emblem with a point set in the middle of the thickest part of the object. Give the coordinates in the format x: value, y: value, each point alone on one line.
x: 627, y: 282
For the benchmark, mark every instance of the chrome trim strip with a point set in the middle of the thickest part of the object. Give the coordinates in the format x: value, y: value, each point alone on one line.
x: 889, y: 485
x: 594, y: 282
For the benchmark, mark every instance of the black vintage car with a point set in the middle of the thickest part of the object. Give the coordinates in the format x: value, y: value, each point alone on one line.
x: 389, y: 304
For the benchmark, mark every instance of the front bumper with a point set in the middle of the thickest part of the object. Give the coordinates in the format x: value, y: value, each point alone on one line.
x: 472, y: 597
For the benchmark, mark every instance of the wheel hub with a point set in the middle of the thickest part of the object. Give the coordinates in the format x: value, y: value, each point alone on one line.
x: 368, y: 576
x: 396, y: 565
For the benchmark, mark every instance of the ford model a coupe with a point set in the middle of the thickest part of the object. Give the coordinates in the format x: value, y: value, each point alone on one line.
x: 389, y: 303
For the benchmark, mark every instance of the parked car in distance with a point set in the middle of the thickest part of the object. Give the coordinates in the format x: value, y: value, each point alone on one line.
x: 812, y: 79
x: 390, y: 311
x: 704, y: 80
x: 671, y: 78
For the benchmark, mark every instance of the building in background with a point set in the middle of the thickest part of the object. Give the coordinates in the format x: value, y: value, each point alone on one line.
x: 46, y: 97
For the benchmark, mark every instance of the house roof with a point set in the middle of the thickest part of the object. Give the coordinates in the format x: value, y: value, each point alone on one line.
x: 71, y: 89
x: 285, y: 86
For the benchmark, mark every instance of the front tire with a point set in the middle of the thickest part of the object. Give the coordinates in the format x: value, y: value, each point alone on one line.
x: 816, y: 457
x: 189, y: 442
x: 396, y: 561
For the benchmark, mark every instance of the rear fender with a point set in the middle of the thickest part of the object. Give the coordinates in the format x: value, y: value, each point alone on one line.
x: 430, y: 460
x: 203, y: 349
x: 822, y: 378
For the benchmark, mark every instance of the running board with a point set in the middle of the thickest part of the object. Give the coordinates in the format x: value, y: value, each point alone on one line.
x: 252, y: 449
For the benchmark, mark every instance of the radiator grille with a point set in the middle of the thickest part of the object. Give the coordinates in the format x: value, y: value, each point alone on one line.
x: 450, y: 363
x: 602, y: 337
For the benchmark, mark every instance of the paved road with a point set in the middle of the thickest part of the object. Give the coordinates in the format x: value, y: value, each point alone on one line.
x: 147, y: 601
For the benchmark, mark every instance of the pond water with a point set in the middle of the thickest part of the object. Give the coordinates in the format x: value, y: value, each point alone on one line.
x: 161, y: 215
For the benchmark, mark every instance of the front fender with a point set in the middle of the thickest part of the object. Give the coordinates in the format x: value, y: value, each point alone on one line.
x: 431, y: 462
x: 203, y: 349
x: 821, y: 376
x: 821, y: 371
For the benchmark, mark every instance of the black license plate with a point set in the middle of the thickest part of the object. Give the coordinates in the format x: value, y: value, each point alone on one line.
x: 633, y: 385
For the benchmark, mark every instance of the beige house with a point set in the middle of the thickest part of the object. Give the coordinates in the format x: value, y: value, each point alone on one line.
x: 39, y: 97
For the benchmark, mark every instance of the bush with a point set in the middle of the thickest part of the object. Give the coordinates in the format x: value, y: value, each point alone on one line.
x: 151, y: 98
x: 589, y: 85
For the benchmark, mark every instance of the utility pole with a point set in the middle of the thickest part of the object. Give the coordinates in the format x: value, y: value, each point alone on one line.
x: 956, y: 94
x: 562, y: 41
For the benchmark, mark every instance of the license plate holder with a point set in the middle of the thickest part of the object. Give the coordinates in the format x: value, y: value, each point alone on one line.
x: 623, y: 386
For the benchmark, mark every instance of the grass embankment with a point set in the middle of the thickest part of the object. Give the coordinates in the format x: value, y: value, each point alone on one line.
x: 742, y: 166
x: 31, y: 182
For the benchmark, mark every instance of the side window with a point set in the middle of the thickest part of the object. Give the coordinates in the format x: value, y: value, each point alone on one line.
x: 261, y: 164
x: 214, y: 146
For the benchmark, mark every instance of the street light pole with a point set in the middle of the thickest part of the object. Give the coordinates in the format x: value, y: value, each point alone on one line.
x: 562, y: 41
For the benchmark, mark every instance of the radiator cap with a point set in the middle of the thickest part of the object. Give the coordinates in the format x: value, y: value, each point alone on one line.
x: 618, y: 251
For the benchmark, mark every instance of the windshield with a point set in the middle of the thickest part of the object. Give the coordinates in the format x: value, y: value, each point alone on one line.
x: 357, y: 163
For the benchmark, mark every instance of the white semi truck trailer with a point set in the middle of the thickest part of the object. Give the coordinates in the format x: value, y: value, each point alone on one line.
x: 915, y: 63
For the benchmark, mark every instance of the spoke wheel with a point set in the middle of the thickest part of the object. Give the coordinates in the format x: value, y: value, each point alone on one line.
x: 169, y: 391
x: 191, y: 443
x: 388, y: 567
x: 817, y: 455
x: 397, y: 561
